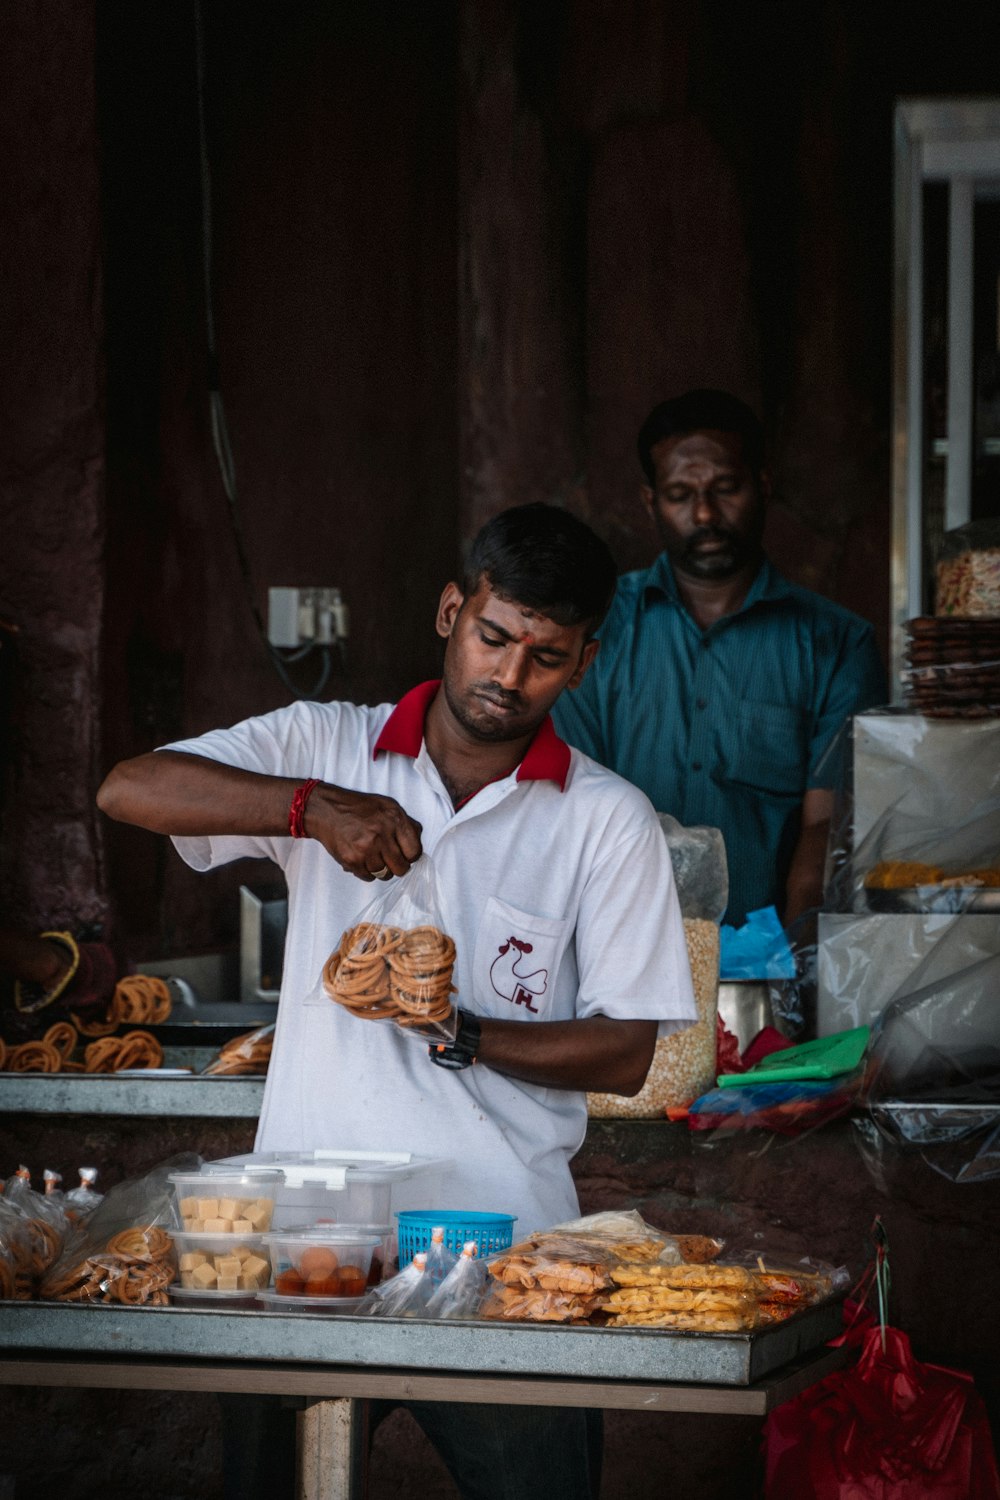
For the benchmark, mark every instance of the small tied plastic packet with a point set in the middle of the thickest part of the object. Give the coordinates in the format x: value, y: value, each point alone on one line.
x: 403, y: 1296
x: 461, y: 1292
x: 397, y: 960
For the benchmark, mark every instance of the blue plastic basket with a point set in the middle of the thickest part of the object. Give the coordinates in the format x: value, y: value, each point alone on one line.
x: 490, y: 1231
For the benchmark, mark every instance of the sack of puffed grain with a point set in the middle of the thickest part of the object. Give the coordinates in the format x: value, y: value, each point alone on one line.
x: 683, y: 1065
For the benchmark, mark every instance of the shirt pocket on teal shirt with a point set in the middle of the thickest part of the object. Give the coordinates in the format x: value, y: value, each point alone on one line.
x: 769, y: 749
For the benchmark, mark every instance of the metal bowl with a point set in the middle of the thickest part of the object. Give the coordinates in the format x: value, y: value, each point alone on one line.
x: 745, y: 1008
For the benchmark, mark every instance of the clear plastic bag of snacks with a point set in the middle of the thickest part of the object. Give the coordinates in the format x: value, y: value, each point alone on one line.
x: 82, y: 1200
x: 44, y: 1220
x: 124, y: 1252
x: 246, y: 1054
x: 396, y: 962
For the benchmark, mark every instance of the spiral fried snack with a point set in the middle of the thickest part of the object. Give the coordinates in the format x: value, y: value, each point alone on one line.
x: 382, y: 971
x: 33, y: 1057
x: 63, y: 1036
x: 357, y: 974
x: 135, y: 1268
x: 140, y: 999
x: 112, y: 1054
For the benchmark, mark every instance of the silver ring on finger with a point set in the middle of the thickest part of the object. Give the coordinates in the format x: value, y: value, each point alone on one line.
x: 384, y: 874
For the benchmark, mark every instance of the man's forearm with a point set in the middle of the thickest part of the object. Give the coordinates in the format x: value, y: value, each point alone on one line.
x: 596, y: 1055
x: 176, y: 793
x: 804, y: 887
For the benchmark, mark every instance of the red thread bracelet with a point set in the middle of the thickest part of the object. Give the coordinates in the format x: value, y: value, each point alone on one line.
x: 297, y: 811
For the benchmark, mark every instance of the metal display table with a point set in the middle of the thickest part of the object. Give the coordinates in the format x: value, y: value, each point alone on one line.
x: 335, y: 1363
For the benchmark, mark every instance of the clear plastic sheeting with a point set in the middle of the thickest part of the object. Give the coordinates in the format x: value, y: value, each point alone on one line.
x: 933, y: 1081
x: 917, y: 792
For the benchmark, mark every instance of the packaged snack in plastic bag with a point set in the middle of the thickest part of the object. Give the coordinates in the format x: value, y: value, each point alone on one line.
x: 461, y: 1291
x: 249, y: 1053
x: 82, y: 1200
x: 17, y: 1249
x: 53, y: 1191
x: 403, y: 1296
x: 439, y: 1258
x: 396, y: 962
x: 123, y: 1252
x: 43, y: 1218
x: 535, y: 1305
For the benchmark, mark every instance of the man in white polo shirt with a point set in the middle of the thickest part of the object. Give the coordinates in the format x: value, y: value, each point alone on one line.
x: 554, y: 878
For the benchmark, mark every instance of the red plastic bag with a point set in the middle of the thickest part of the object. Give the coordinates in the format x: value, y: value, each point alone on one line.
x: 891, y: 1428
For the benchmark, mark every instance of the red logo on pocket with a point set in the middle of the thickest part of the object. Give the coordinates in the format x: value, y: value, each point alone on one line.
x: 510, y: 978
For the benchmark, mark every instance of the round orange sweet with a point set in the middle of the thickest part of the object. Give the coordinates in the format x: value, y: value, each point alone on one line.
x: 317, y: 1260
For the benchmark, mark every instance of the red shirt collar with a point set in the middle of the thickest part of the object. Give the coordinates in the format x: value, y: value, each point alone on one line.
x: 546, y: 758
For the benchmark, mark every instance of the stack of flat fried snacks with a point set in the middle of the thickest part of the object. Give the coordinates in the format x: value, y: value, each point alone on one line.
x: 559, y: 1277
x: 698, y: 1298
x: 249, y: 1053
x: 381, y: 972
x: 135, y: 1267
x: 138, y: 1000
x: 545, y: 1288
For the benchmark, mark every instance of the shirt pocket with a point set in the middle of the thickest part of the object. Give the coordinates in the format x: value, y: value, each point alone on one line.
x: 517, y: 956
x: 769, y: 750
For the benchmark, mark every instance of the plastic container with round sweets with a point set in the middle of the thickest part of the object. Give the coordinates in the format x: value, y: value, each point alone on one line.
x: 241, y: 1203
x: 383, y: 1262
x: 324, y: 1261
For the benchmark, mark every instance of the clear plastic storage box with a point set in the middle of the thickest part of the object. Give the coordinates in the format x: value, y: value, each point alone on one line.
x: 346, y: 1187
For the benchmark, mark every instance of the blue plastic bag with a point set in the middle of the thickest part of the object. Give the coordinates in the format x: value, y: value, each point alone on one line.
x: 757, y: 950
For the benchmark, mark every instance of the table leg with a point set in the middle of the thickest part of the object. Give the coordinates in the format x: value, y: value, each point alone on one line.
x: 332, y: 1450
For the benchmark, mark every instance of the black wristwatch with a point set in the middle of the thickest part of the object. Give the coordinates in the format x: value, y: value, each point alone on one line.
x: 461, y: 1053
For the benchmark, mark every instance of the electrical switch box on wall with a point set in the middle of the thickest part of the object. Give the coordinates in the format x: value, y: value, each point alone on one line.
x: 306, y: 617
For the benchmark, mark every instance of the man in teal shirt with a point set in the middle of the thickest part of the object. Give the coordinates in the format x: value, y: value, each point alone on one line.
x: 719, y: 686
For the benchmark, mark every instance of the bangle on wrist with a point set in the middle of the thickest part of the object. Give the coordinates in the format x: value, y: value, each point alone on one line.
x: 297, y: 811
x: 462, y: 1052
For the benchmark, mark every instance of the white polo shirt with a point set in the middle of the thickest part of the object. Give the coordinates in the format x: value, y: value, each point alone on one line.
x: 556, y: 885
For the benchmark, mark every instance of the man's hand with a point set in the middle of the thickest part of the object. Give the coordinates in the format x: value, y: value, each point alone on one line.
x: 366, y: 833
x: 173, y: 792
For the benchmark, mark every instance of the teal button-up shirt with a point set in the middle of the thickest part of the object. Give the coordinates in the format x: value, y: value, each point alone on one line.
x: 728, y: 726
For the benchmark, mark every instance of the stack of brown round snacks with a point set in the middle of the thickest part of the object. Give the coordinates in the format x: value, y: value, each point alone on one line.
x: 381, y: 972
x: 135, y: 1268
x: 110, y: 1054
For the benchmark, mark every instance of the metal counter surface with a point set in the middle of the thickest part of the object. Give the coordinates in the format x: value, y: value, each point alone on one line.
x: 105, y: 1094
x: 628, y: 1354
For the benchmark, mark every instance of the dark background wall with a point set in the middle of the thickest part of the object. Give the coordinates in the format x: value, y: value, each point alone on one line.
x: 457, y: 250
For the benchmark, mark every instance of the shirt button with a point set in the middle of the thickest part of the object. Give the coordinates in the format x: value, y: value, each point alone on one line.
x: 701, y: 703
x: 696, y: 765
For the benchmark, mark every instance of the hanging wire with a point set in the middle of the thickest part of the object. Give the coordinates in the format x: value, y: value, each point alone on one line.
x: 220, y: 429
